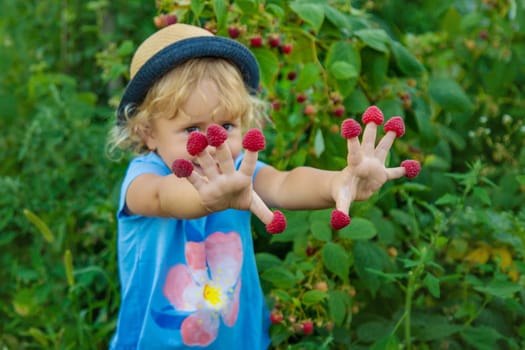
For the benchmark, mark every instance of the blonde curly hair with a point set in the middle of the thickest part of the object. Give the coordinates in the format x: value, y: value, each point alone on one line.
x: 170, y: 92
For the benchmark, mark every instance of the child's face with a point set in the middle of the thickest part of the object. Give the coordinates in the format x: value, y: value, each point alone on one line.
x: 169, y: 136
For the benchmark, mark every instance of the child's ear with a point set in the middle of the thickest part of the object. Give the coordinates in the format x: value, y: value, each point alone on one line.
x: 145, y: 132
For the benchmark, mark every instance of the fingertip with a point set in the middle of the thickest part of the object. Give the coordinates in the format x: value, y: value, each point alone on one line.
x: 197, y: 142
x: 254, y: 140
x: 395, y: 124
x: 350, y: 128
x: 338, y: 219
x: 373, y: 115
x: 412, y: 168
x: 182, y: 168
x: 278, y: 224
x: 216, y: 135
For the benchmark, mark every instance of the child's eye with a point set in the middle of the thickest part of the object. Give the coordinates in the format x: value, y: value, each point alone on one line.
x: 192, y: 129
x: 228, y: 126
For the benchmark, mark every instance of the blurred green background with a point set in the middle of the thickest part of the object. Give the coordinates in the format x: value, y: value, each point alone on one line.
x: 431, y: 263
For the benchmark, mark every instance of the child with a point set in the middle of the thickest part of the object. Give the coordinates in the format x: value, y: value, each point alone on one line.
x: 186, y: 260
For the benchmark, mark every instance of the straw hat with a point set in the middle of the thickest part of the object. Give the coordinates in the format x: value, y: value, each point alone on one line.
x: 172, y: 46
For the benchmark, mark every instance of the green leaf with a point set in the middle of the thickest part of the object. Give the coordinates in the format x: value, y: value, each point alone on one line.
x: 338, y: 19
x: 313, y: 297
x: 338, y: 302
x: 373, y: 330
x: 359, y: 228
x: 375, y: 66
x: 68, y: 265
x: 246, y: 6
x: 432, y: 284
x: 447, y: 199
x: 266, y: 260
x: 40, y: 225
x: 449, y: 95
x: 521, y: 179
x: 321, y: 231
x: 481, y: 338
x: 482, y: 195
x: 307, y: 76
x: 500, y: 288
x: 279, y: 277
x: 336, y: 260
x: 343, y: 70
x: 197, y: 7
x: 268, y: 64
x: 406, y: 62
x: 368, y: 256
x: 319, y: 143
x: 221, y: 12
x: 388, y: 342
x: 309, y: 12
x: 377, y: 39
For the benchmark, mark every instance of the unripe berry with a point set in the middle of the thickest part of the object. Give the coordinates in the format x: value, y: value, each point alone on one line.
x: 321, y: 286
x: 309, y: 110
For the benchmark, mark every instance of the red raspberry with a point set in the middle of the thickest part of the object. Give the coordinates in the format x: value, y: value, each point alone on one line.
x: 182, y: 168
x: 274, y: 40
x: 256, y: 41
x: 197, y: 142
x: 254, y: 140
x: 395, y: 124
x: 171, y: 19
x: 234, y: 32
x: 412, y: 168
x: 278, y: 223
x: 350, y: 128
x: 339, y: 219
x: 373, y: 114
x: 276, y: 317
x: 287, y: 49
x: 339, y: 111
x: 308, y: 327
x: 216, y: 135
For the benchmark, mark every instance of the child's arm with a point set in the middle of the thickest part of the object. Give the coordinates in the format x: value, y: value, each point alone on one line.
x: 309, y: 188
x: 215, y: 190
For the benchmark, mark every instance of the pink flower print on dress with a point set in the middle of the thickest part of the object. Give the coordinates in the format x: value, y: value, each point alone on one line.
x: 208, y: 287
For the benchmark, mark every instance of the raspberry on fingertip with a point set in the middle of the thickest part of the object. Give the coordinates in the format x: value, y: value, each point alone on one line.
x: 412, y: 168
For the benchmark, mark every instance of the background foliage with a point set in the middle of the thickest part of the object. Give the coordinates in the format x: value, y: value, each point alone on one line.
x: 435, y: 263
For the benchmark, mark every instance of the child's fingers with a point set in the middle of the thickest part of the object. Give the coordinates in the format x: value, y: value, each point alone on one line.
x: 275, y: 221
x: 384, y: 146
x: 253, y: 142
x: 354, y: 156
x: 409, y: 168
x: 369, y: 138
x: 224, y: 158
x: 394, y: 128
x: 340, y: 217
x: 249, y: 163
x: 208, y: 164
x: 372, y: 117
x: 350, y: 130
x: 216, y: 136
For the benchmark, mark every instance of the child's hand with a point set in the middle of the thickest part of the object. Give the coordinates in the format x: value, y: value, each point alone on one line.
x: 222, y: 186
x: 366, y: 171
